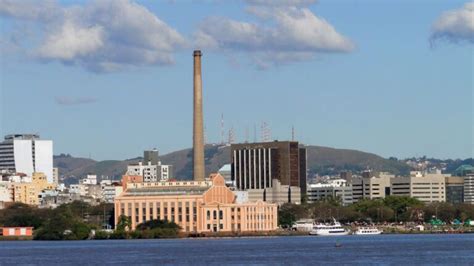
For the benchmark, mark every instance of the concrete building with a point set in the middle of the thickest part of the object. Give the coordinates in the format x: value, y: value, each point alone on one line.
x: 255, y: 166
x: 164, y: 172
x: 6, y: 191
x: 196, y: 206
x: 89, y: 180
x: 454, y: 189
x: 29, y: 193
x: 335, y: 188
x: 148, y: 171
x: 151, y: 168
x: 469, y: 188
x: 277, y: 193
x: 56, y: 175
x: 26, y: 153
x: 151, y: 156
x: 110, y: 190
x: 426, y: 188
x: 370, y: 185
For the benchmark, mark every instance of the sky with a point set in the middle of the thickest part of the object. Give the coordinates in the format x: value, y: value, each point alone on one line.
x: 108, y: 79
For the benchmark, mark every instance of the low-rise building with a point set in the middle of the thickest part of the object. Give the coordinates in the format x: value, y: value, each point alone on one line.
x: 6, y: 191
x: 277, y: 193
x: 29, y: 193
x: 370, y: 185
x: 16, y: 231
x: 196, y: 206
x: 110, y: 190
x: 337, y: 189
x: 425, y: 187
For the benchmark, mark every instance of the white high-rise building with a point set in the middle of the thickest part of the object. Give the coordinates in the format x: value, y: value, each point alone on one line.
x: 27, y: 153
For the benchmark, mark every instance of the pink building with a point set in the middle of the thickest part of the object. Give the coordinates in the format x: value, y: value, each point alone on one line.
x: 196, y: 206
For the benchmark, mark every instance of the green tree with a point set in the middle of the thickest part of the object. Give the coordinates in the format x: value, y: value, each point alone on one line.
x: 124, y: 223
x: 401, y: 205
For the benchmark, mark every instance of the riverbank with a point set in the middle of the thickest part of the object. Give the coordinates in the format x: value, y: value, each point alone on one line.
x: 278, y: 233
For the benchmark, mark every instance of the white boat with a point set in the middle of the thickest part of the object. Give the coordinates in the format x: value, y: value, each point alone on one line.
x: 334, y: 229
x: 367, y: 231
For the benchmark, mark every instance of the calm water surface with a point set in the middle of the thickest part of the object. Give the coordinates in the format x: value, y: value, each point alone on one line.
x: 308, y: 250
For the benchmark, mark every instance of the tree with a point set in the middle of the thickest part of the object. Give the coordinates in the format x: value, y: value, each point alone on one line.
x: 124, y: 223
x: 400, y: 205
x: 153, y: 224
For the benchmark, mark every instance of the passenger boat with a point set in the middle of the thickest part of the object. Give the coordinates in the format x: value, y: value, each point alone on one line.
x: 334, y: 229
x: 367, y: 231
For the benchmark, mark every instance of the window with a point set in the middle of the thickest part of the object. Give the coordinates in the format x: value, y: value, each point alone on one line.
x: 221, y: 226
x: 221, y: 215
x: 208, y: 227
x: 208, y: 215
x: 215, y: 214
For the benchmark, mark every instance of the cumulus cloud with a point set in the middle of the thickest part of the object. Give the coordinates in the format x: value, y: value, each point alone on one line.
x: 281, y: 2
x: 65, y: 100
x: 455, y: 25
x: 285, y: 31
x: 102, y: 36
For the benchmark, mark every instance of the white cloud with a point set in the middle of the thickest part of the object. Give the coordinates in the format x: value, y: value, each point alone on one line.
x: 281, y: 35
x: 71, y: 42
x: 29, y: 9
x: 65, y: 100
x: 105, y: 35
x: 455, y: 25
x: 281, y: 2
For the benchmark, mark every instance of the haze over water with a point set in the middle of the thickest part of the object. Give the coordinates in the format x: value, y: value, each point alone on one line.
x: 384, y: 249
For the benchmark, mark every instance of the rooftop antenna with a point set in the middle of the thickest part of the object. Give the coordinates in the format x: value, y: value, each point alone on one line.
x: 292, y: 133
x: 266, y: 133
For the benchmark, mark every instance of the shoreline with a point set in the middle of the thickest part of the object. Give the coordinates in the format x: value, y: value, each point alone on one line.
x: 250, y: 235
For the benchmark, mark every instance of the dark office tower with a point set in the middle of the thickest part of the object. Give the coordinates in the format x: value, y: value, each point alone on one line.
x: 150, y: 156
x: 255, y: 165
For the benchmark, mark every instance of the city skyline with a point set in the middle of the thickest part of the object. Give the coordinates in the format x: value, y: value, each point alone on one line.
x: 109, y: 106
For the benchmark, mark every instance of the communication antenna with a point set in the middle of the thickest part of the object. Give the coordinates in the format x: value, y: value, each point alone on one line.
x: 231, y: 135
x: 266, y: 132
x: 292, y: 133
x: 222, y: 129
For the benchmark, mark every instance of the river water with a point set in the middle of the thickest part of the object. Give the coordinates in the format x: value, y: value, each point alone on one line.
x: 303, y: 250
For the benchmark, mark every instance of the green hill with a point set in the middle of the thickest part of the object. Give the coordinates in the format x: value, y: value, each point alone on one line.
x: 321, y: 160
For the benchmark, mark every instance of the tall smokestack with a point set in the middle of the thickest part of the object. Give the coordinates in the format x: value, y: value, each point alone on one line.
x: 198, y: 136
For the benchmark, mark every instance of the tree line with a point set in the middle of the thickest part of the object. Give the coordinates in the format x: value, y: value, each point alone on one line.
x: 77, y: 221
x: 389, y: 209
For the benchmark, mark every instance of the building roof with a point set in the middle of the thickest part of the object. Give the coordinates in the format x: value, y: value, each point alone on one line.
x: 165, y: 191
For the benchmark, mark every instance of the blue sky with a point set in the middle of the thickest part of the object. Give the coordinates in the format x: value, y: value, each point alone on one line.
x: 390, y: 77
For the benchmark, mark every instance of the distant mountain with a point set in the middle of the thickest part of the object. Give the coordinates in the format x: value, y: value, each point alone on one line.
x: 321, y: 160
